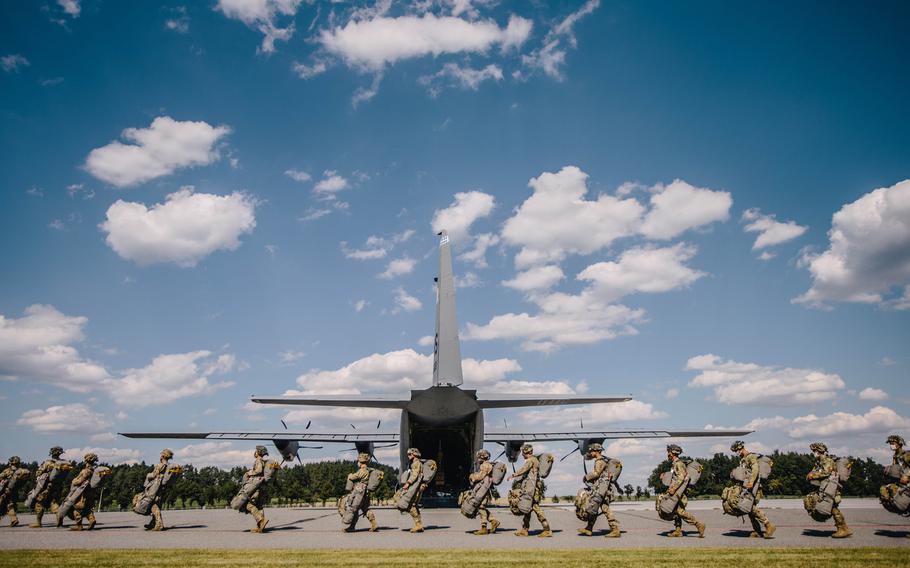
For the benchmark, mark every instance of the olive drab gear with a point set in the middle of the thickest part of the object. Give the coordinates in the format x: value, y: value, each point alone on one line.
x: 10, y: 480
x: 162, y: 477
x: 473, y: 499
x: 56, y: 452
x: 674, y: 450
x: 895, y: 439
x: 823, y: 504
x: 413, y: 452
x: 261, y: 451
x: 482, y: 454
x: 818, y: 447
x: 595, y: 447
x: 737, y: 446
x: 83, y: 494
x: 895, y: 496
x: 48, y: 482
x: 357, y: 502
x: 527, y: 449
x: 671, y: 506
x: 254, y: 480
x: 363, y: 457
x: 420, y: 475
x: 545, y: 462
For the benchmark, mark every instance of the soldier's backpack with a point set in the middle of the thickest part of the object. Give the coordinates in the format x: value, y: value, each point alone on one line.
x: 349, y: 506
x: 499, y: 472
x: 12, y: 482
x: 470, y: 501
x: 844, y: 468
x: 666, y: 504
x: 251, y: 485
x: 48, y: 481
x: 76, y: 493
x: 894, y: 470
x: 582, y: 505
x: 404, y: 498
x: 428, y: 471
x: 375, y: 479
x: 142, y: 502
x: 545, y: 465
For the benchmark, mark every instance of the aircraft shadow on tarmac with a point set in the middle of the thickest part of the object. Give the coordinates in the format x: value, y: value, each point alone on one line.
x: 892, y: 534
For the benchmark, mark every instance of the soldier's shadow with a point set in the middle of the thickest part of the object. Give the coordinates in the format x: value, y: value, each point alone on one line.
x: 280, y: 528
x: 738, y: 533
x: 429, y: 528
x: 892, y: 534
x: 180, y: 527
x: 817, y: 533
x: 113, y: 527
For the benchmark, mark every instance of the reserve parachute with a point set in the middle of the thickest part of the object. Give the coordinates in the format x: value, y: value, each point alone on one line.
x: 523, y: 497
x: 47, y: 481
x: 405, y: 498
x: 666, y: 504
x: 351, y: 505
x: 592, y: 496
x: 252, y: 484
x: 92, y: 484
x: 820, y: 503
x: 470, y: 501
x: 155, y: 488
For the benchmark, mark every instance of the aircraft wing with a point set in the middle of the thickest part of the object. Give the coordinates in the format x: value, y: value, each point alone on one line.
x: 324, y: 437
x: 607, y: 435
x: 354, y: 400
x: 494, y: 400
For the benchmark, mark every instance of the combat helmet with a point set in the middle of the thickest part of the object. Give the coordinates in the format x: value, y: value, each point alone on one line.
x: 55, y: 452
x: 737, y: 446
x: 414, y: 452
x: 167, y: 453
x: 595, y: 447
x: 895, y: 439
x: 363, y: 457
x: 527, y: 449
x: 90, y: 458
x: 482, y: 454
x: 261, y: 451
x: 14, y: 460
x: 818, y: 447
x: 674, y: 450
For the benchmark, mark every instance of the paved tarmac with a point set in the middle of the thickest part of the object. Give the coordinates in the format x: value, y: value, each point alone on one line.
x: 447, y: 528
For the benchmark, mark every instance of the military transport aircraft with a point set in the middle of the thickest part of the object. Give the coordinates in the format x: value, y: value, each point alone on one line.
x: 444, y: 421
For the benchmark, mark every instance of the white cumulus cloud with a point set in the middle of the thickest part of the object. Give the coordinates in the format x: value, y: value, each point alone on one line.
x: 551, y: 56
x: 398, y: 267
x: 113, y: 456
x: 878, y: 419
x: 405, y: 301
x: 13, y: 62
x: 536, y: 278
x: 464, y: 77
x: 159, y: 150
x: 870, y: 393
x: 457, y: 218
x: 770, y: 231
x: 868, y: 254
x: 184, y: 229
x: 750, y: 383
x: 680, y: 206
x: 263, y: 16
x: 65, y: 418
x: 171, y: 377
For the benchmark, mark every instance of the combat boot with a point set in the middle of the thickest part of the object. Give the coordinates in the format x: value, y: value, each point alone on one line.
x: 59, y: 522
x: 769, y: 530
x: 614, y: 531
x: 149, y: 525
x: 494, y: 524
x: 417, y: 528
x: 754, y: 534
x: 483, y: 530
x: 701, y: 529
x: 374, y: 526
x: 159, y: 522
x: 676, y: 532
x: 521, y: 532
x: 842, y: 532
x: 13, y: 519
x: 546, y: 532
x: 78, y: 525
x: 91, y: 521
x: 585, y: 532
x: 39, y: 514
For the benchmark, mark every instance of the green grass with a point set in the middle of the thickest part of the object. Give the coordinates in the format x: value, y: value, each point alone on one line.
x: 703, y: 558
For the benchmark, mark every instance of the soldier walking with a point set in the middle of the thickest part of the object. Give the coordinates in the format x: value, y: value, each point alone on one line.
x: 360, y: 478
x: 84, y: 508
x: 901, y: 459
x: 9, y: 480
x: 47, y: 497
x: 680, y: 475
x: 256, y: 501
x: 157, y: 523
x: 531, y: 468
x: 595, y: 452
x: 826, y: 467
x: 484, y: 470
x: 761, y: 526
x: 414, y: 474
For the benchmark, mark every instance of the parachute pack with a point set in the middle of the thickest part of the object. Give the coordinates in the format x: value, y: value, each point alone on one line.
x: 76, y: 493
x: 895, y: 499
x: 666, y: 504
x: 9, y: 486
x: 48, y: 481
x: 404, y: 498
x: 737, y: 500
x: 142, y: 502
x: 251, y: 485
x: 589, y: 499
x: 349, y: 506
x: 470, y: 501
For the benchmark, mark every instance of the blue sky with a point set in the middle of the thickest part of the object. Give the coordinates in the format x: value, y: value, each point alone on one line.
x: 704, y: 205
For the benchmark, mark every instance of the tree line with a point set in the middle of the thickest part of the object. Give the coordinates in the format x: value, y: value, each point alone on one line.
x: 788, y: 475
x: 300, y: 484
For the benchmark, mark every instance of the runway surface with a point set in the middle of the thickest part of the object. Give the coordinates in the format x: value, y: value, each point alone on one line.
x: 447, y: 528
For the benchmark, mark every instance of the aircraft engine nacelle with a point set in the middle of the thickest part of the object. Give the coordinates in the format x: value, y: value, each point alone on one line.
x: 364, y: 447
x: 584, y: 443
x: 287, y: 448
x: 513, y: 449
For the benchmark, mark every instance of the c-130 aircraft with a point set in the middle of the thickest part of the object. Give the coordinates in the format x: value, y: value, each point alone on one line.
x: 445, y: 422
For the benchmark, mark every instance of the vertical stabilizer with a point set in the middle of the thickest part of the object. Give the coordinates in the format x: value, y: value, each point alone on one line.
x: 446, y: 351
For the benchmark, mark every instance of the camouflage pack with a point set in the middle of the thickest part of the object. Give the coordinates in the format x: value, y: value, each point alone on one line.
x: 375, y: 479
x: 545, y: 465
x: 252, y: 484
x: 93, y: 484
x: 895, y: 499
x: 737, y: 500
x: 894, y: 470
x: 499, y: 472
x: 471, y: 500
x: 819, y: 506
x: 844, y: 468
x: 49, y: 481
x: 349, y: 507
x: 614, y: 468
x: 666, y: 505
x: 428, y: 471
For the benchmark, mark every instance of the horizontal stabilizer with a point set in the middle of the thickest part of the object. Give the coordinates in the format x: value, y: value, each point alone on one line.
x: 494, y: 400
x: 353, y: 400
x: 324, y: 437
x: 607, y: 435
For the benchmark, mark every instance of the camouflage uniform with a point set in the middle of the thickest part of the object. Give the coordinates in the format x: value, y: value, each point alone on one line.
x: 256, y: 502
x: 484, y: 470
x: 679, y: 477
x: 157, y: 523
x: 413, y: 475
x: 531, y: 467
x: 9, y: 496
x: 901, y: 459
x: 84, y: 507
x: 761, y: 526
x: 826, y: 467
x: 47, y: 499
x: 600, y: 468
x: 360, y: 478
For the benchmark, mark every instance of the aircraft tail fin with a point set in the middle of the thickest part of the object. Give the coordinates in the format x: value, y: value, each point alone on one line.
x: 446, y: 350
